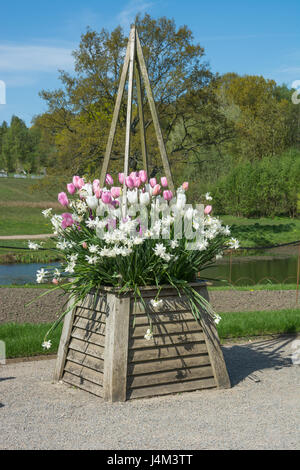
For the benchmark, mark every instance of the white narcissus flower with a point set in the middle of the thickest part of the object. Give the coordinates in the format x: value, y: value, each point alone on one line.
x: 47, y: 212
x: 93, y: 248
x: 159, y: 249
x: 174, y: 244
x: 233, y: 244
x: 148, y: 335
x: 208, y: 197
x: 217, y: 318
x: 47, y: 344
x: 70, y: 267
x: 91, y: 259
x: 33, y: 246
x: 40, y: 275
x: 156, y: 303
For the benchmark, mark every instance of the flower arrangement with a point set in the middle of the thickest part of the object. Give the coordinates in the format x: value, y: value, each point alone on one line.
x: 133, y: 235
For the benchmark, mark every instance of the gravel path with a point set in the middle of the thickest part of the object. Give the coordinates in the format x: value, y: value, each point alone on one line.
x: 12, y: 303
x: 26, y: 237
x: 261, y: 411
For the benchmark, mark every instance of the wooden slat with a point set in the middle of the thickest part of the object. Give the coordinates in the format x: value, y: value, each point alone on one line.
x: 91, y: 315
x: 86, y: 360
x: 167, y: 364
x: 83, y: 384
x: 84, y: 335
x: 172, y: 339
x: 167, y: 317
x: 94, y: 302
x: 171, y: 388
x: 170, y: 305
x: 140, y: 355
x: 84, y: 372
x: 166, y: 328
x: 90, y: 325
x: 64, y: 342
x: 87, y: 348
x: 167, y: 377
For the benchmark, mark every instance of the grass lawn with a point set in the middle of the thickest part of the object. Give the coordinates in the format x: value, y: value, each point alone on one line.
x: 24, y: 340
x: 263, y: 231
x: 26, y: 190
x: 14, y: 254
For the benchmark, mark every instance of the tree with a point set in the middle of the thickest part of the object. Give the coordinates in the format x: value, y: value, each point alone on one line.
x: 79, y: 114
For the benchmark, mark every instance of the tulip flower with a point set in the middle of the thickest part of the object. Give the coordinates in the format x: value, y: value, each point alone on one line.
x: 106, y: 197
x: 67, y: 220
x: 129, y: 182
x: 98, y: 193
x: 71, y: 188
x: 143, y: 176
x: 115, y: 191
x: 164, y: 181
x: 63, y: 199
x: 75, y: 181
x: 185, y: 185
x: 108, y: 179
x: 121, y: 178
x: 96, y: 184
x: 207, y: 210
x: 92, y: 202
x: 152, y: 182
x: 84, y: 245
x: 144, y: 198
x: 132, y: 196
x: 80, y: 183
x: 167, y: 195
x: 55, y: 281
x: 156, y: 190
x: 137, y: 182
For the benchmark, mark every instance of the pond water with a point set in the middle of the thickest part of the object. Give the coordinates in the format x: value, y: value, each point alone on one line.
x: 20, y: 273
x: 244, y: 271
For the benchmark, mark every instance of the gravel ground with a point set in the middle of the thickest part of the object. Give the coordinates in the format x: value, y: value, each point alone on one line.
x: 261, y: 411
x: 12, y: 304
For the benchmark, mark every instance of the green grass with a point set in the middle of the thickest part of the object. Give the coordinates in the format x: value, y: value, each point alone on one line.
x: 23, y: 220
x: 25, y: 339
x: 256, y: 287
x: 245, y: 324
x: 263, y: 231
x: 14, y: 254
x: 12, y: 189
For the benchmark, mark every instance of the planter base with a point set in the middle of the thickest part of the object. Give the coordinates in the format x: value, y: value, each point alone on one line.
x: 103, y: 349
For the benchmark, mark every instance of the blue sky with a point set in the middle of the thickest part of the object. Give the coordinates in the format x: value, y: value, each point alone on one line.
x: 37, y: 38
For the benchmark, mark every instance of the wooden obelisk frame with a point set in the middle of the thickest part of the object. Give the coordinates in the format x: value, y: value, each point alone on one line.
x: 134, y: 64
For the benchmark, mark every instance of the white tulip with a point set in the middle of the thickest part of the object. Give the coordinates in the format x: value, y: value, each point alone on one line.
x: 92, y: 202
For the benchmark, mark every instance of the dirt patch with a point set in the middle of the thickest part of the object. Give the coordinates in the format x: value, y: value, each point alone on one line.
x: 46, y: 309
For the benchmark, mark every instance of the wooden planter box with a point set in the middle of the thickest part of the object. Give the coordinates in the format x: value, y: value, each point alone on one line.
x: 103, y: 349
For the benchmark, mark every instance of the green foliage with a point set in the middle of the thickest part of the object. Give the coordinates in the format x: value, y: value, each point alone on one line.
x: 265, y: 188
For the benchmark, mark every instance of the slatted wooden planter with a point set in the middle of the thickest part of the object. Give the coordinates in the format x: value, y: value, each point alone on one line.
x: 103, y: 349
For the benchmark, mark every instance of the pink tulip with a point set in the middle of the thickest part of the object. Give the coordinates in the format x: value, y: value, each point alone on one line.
x: 75, y: 181
x: 115, y: 191
x: 106, y: 197
x: 121, y: 178
x: 108, y: 179
x: 98, y: 193
x: 167, y: 195
x: 134, y: 174
x: 164, y: 181
x: 156, y: 190
x: 137, y: 182
x: 129, y: 182
x: 152, y: 182
x: 143, y: 176
x: 63, y: 199
x: 67, y: 220
x: 71, y: 188
x: 185, y: 185
x: 96, y: 184
x: 207, y: 210
x: 80, y: 183
x: 84, y: 245
x: 55, y: 281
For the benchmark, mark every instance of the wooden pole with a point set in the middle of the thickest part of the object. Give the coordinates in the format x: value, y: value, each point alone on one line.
x: 115, y: 117
x: 141, y: 117
x: 132, y: 42
x: 298, y: 275
x: 159, y: 135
